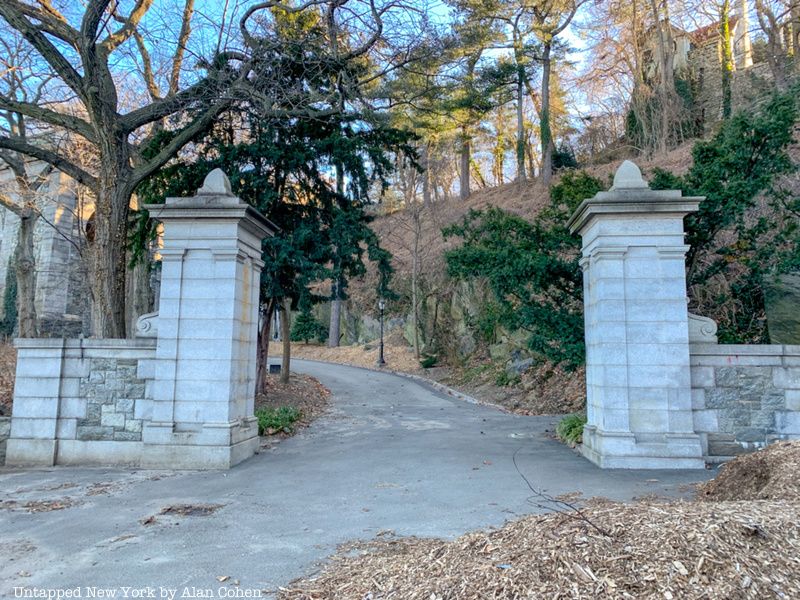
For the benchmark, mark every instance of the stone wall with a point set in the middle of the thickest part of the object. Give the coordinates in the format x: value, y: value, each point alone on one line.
x: 61, y: 295
x: 744, y: 396
x: 76, y: 401
x: 5, y: 431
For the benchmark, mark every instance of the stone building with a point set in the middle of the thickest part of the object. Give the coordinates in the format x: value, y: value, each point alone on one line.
x: 62, y: 298
x: 698, y: 63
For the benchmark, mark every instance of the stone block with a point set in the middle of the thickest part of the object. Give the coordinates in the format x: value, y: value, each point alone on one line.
x: 112, y: 419
x: 751, y: 434
x: 705, y: 421
x: 124, y: 405
x: 67, y: 429
x: 787, y: 422
x: 93, y: 432
x: 40, y: 429
x: 793, y: 400
x: 698, y: 399
x: 5, y: 427
x: 36, y: 408
x: 702, y: 377
x: 127, y: 436
x: 133, y: 425
x: 787, y: 377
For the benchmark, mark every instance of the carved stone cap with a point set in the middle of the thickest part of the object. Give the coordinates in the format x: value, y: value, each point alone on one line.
x: 702, y: 330
x: 214, y: 200
x: 631, y: 195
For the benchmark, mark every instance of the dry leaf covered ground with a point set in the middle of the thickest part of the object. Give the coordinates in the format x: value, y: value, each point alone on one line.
x: 8, y: 365
x: 738, y: 548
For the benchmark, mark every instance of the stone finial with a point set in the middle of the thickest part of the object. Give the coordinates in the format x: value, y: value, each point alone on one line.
x: 216, y: 184
x: 628, y: 177
x: 702, y: 330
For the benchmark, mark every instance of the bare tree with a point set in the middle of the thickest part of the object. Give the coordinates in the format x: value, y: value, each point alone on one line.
x: 77, y: 51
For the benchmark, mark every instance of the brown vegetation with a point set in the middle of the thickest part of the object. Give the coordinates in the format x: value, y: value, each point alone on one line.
x: 8, y: 366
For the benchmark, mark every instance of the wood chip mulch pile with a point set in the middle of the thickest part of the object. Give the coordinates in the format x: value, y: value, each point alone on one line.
x: 736, y: 548
x: 770, y: 474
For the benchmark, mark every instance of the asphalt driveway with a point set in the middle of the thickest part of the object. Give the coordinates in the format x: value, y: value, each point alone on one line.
x: 391, y: 455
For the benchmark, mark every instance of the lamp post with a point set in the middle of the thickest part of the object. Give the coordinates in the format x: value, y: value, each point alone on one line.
x: 381, y: 307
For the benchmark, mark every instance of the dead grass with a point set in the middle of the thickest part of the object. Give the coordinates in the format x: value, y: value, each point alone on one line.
x: 8, y: 367
x: 770, y: 474
x: 653, y: 550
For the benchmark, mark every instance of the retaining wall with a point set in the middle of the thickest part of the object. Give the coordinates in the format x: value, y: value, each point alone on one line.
x: 80, y: 401
x: 744, y: 396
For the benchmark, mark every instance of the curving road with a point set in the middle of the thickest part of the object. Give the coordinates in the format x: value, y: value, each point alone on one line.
x: 391, y: 454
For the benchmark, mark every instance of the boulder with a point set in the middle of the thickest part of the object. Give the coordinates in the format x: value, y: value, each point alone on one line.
x: 782, y: 299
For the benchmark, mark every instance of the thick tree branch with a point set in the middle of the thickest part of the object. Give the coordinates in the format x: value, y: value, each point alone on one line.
x: 59, y: 162
x: 186, y: 135
x: 51, y: 117
x: 124, y: 33
x: 163, y: 108
x: 10, y: 11
x: 180, y: 50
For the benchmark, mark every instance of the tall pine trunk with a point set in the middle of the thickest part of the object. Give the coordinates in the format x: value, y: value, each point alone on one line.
x: 465, y: 164
x: 546, y: 129
x: 521, y: 175
x: 727, y: 57
x: 336, y: 315
x: 25, y: 260
x: 286, y: 337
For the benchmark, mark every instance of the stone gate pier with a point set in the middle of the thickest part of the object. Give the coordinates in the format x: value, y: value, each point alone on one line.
x: 182, y: 394
x: 661, y: 393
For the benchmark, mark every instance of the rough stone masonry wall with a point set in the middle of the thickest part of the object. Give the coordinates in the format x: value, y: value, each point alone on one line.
x: 111, y: 389
x: 82, y: 397
x: 744, y: 396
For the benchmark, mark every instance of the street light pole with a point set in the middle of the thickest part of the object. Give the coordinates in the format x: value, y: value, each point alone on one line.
x: 381, y: 307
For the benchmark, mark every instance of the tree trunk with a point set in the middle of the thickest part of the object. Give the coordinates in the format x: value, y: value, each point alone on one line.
x: 336, y: 315
x: 465, y: 164
x: 25, y: 260
x: 546, y: 131
x: 107, y: 264
x: 521, y: 175
x: 415, y: 281
x: 426, y: 176
x: 286, y: 337
x: 727, y: 57
x: 262, y: 357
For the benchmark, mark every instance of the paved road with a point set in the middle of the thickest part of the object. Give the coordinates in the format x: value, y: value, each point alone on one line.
x: 390, y: 455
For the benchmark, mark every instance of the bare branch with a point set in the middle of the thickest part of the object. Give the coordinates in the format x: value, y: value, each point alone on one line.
x: 180, y: 50
x: 51, y: 117
x: 124, y: 33
x: 58, y: 161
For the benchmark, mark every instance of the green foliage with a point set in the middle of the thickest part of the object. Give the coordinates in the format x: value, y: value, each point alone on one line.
x: 281, y: 419
x: 504, y: 379
x: 428, y: 361
x: 736, y: 238
x: 564, y: 158
x: 531, y: 268
x: 570, y: 429
x: 306, y: 327
x: 9, y: 322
